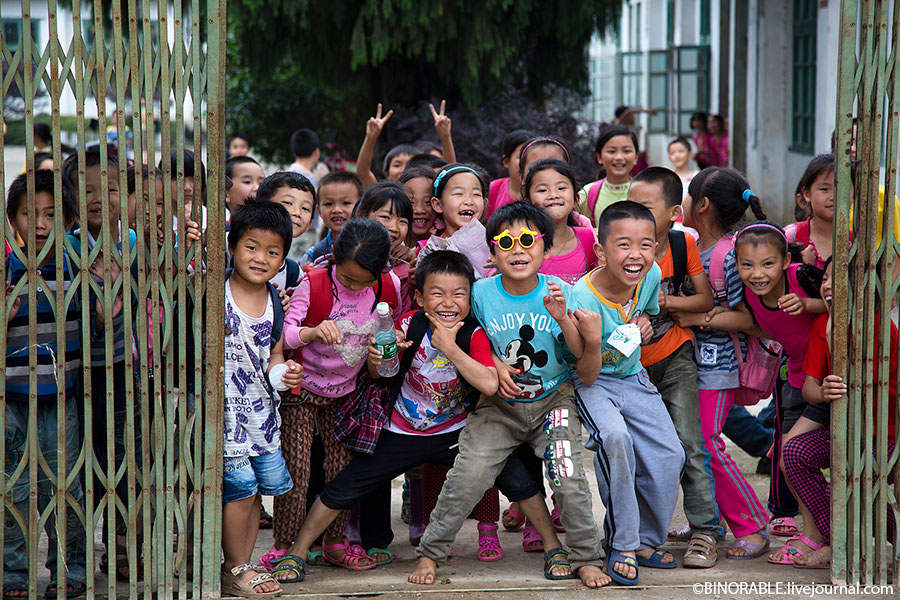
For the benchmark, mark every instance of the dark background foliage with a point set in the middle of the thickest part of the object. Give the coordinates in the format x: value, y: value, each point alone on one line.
x: 501, y: 65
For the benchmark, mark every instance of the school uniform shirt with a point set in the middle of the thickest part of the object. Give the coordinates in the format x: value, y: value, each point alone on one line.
x: 433, y: 397
x: 644, y: 300
x: 523, y: 334
x: 717, y: 367
x: 667, y: 336
x: 252, y: 421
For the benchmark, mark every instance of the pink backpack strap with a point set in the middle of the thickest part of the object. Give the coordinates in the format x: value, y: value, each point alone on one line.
x: 717, y: 269
x: 593, y: 194
x: 801, y: 234
x: 587, y: 239
x: 794, y: 286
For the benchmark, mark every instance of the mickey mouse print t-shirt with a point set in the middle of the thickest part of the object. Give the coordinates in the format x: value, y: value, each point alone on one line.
x: 644, y: 300
x: 523, y: 334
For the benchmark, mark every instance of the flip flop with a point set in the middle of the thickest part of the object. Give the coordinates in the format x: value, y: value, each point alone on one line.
x: 557, y: 557
x: 613, y: 557
x: 531, y: 541
x: 351, y: 559
x: 750, y: 549
x: 373, y: 551
x: 513, y: 519
x: 789, y: 552
x: 270, y: 558
x: 655, y: 560
x: 788, y: 523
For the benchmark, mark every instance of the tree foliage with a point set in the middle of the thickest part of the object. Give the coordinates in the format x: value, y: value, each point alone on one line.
x: 347, y: 55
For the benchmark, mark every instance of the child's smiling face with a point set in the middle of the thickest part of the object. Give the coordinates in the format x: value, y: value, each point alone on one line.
x: 629, y: 250
x: 299, y: 204
x: 518, y: 263
x: 618, y: 156
x: 446, y: 297
x: 246, y: 177
x: 825, y: 288
x: 553, y: 192
x: 42, y: 222
x: 336, y: 203
x: 820, y: 196
x: 761, y: 267
x: 419, y: 190
x: 396, y: 166
x: 397, y: 226
x: 94, y: 198
x: 258, y: 255
x: 461, y: 201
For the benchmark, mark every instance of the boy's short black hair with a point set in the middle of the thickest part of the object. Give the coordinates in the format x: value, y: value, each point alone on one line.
x: 425, y: 160
x: 91, y: 159
x: 443, y: 261
x: 520, y: 212
x: 343, y: 177
x: 668, y: 181
x: 413, y: 172
x: 42, y: 130
x: 43, y: 182
x: 238, y: 160
x: 268, y: 216
x: 619, y: 211
x: 304, y: 142
x: 146, y: 172
x: 191, y: 168
x: 397, y: 151
x: 237, y: 135
x: 291, y: 179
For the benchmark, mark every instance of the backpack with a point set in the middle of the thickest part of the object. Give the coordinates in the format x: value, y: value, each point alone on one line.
x: 801, y: 234
x: 592, y: 195
x: 758, y: 369
x: 277, y: 312
x: 678, y: 244
x: 587, y: 238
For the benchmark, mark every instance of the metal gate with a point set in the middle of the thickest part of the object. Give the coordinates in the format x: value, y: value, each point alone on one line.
x: 142, y: 81
x: 865, y: 293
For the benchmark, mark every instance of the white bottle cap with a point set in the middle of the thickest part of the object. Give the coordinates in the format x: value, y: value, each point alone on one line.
x: 276, y: 375
x: 383, y: 309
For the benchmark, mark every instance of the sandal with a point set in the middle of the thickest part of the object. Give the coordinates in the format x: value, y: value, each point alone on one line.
x: 488, y: 542
x: 15, y: 586
x: 613, y: 557
x: 352, y: 559
x: 750, y: 549
x: 701, y: 552
x: 270, y: 558
x: 373, y: 551
x: 655, y: 560
x: 314, y: 558
x: 556, y: 519
x: 513, y: 519
x: 787, y: 524
x: 557, y: 557
x: 74, y: 589
x: 814, y: 565
x: 531, y: 541
x: 233, y: 586
x: 684, y: 533
x: 290, y: 563
x: 789, y: 552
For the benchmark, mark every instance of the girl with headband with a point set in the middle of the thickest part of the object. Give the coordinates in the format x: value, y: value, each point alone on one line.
x: 459, y: 196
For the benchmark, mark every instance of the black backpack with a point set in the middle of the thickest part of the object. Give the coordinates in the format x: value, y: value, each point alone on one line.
x: 678, y: 243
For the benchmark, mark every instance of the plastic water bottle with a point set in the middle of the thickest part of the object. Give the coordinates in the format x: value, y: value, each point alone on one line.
x: 386, y: 342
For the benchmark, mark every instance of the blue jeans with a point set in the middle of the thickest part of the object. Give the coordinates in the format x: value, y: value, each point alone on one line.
x: 748, y: 432
x: 15, y: 554
x: 246, y: 476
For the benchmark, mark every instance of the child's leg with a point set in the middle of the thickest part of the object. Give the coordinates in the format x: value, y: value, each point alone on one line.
x: 296, y: 441
x: 675, y: 377
x: 805, y: 457
x: 557, y: 435
x: 375, y: 525
x: 613, y: 462
x: 781, y: 501
x: 337, y: 457
x: 737, y: 500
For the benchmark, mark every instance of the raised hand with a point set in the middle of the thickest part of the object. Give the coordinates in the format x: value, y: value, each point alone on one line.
x: 555, y: 302
x: 442, y: 122
x: 375, y: 124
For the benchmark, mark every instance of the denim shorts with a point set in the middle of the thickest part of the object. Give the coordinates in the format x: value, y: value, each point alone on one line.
x: 246, y: 476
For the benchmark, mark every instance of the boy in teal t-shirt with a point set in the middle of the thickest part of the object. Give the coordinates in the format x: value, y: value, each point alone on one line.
x: 525, y: 316
x: 621, y: 409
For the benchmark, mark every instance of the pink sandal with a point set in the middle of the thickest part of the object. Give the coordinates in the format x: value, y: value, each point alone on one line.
x: 531, y: 541
x: 513, y: 519
x: 488, y: 542
x: 556, y: 519
x: 789, y: 552
x: 352, y: 557
x: 788, y: 524
x: 271, y: 557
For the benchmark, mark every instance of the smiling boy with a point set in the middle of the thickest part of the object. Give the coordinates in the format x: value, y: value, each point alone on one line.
x: 338, y: 194
x: 619, y: 406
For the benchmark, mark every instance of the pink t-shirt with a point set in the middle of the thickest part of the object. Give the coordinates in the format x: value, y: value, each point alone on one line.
x: 331, y: 371
x: 791, y: 331
x: 572, y: 266
x: 498, y: 196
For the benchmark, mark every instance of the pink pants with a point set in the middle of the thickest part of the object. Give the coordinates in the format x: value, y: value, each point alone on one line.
x: 737, y: 501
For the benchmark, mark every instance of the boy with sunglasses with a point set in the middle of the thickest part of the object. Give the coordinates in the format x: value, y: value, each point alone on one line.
x: 525, y: 315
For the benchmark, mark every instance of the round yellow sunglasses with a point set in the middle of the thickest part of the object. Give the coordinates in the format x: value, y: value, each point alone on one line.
x: 526, y: 238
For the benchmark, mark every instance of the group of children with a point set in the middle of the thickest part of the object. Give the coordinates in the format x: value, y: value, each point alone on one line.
x: 628, y: 306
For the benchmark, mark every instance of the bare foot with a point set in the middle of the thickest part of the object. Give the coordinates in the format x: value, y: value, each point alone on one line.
x: 593, y: 577
x: 648, y: 552
x: 261, y: 588
x: 424, y: 572
x: 624, y: 569
x: 818, y: 559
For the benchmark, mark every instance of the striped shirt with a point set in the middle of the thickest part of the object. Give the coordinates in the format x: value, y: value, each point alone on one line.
x: 48, y: 354
x: 717, y: 367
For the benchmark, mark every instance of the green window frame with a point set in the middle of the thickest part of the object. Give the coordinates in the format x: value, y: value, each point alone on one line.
x: 705, y: 17
x: 690, y: 66
x: 631, y: 70
x: 803, y: 89
x: 658, y: 91
x: 12, y: 33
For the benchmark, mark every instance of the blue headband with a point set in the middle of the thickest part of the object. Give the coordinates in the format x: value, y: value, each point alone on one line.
x: 748, y: 193
x: 456, y: 169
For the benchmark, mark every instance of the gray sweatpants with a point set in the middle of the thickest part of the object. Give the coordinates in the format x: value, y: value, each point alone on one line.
x: 638, y: 459
x: 496, y: 428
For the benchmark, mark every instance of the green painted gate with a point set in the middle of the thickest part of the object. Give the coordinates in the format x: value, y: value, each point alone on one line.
x: 865, y: 293
x: 153, y: 72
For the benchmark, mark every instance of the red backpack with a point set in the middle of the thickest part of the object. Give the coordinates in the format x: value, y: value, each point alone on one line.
x: 757, y: 370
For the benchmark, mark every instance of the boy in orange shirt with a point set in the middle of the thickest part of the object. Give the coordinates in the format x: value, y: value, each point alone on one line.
x: 669, y: 356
